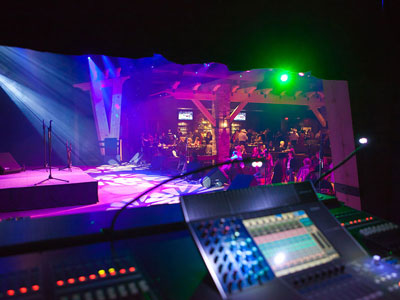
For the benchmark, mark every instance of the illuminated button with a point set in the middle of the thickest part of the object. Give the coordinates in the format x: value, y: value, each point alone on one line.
x: 35, y: 288
x: 122, y: 271
x: 112, y: 271
x: 60, y: 283
x: 71, y: 280
x: 10, y: 292
x: 102, y: 273
x: 23, y: 290
x: 82, y: 278
x: 92, y: 276
x: 132, y: 269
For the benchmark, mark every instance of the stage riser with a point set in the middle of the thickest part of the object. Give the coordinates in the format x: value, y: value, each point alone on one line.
x: 48, y: 196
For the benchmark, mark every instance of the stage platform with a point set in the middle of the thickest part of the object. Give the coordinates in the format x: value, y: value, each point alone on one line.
x: 19, y: 193
x: 116, y: 185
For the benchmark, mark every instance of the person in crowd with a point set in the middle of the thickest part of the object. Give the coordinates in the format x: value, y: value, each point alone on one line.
x: 279, y: 169
x: 269, y: 167
x: 171, y: 138
x: 290, y: 165
x: 259, y: 139
x: 235, y: 138
x: 243, y: 137
x: 208, y: 138
x: 197, y: 142
x: 181, y: 150
x: 315, y: 161
x: 304, y: 170
x: 178, y: 134
x: 281, y: 147
x: 243, y: 150
x: 261, y: 149
x: 164, y: 139
x: 293, y: 136
x: 250, y: 135
x: 209, y: 148
x: 271, y: 147
x: 289, y: 147
x: 301, y: 139
x: 196, y: 134
x: 255, y: 153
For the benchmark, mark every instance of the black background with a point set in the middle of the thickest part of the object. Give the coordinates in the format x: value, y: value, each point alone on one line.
x: 348, y: 40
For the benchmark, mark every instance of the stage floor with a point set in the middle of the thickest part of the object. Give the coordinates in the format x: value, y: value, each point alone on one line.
x: 117, y: 185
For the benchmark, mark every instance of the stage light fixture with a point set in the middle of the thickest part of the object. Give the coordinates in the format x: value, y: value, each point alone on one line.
x: 284, y: 77
x: 363, y: 141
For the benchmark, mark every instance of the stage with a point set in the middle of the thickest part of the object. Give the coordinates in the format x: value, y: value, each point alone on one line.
x: 30, y: 190
x: 116, y: 185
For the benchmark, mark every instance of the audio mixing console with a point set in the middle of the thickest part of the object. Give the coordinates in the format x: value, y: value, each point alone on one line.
x: 281, y: 236
x: 376, y: 235
x: 265, y: 242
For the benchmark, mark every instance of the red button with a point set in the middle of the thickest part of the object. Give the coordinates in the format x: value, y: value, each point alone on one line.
x: 92, y: 276
x: 122, y: 271
x: 71, y: 280
x: 132, y: 269
x: 10, y: 292
x: 82, y: 278
x: 60, y: 283
x: 35, y: 287
x: 23, y: 290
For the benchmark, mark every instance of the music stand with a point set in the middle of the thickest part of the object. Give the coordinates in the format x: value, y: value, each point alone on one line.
x: 49, y: 150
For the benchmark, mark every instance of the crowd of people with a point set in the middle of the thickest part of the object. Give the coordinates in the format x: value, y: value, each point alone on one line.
x: 285, y: 154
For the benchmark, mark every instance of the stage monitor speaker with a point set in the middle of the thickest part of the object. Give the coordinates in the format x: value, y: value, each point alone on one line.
x: 214, y: 178
x: 8, y: 164
x: 242, y: 181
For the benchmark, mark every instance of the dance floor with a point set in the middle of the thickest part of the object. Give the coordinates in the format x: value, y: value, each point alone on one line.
x: 117, y: 185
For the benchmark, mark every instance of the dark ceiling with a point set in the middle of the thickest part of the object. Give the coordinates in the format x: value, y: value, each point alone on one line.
x: 352, y: 40
x: 339, y: 39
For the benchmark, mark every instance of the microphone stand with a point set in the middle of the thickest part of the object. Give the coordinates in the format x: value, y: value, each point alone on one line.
x: 338, y: 165
x: 69, y: 161
x: 49, y: 150
x: 45, y: 165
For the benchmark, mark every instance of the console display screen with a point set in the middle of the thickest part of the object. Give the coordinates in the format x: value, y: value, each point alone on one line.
x: 290, y: 242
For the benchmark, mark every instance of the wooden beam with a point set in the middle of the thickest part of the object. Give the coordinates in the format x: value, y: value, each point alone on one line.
x: 196, y: 87
x: 237, y: 110
x: 320, y: 118
x: 255, y: 97
x: 205, y: 112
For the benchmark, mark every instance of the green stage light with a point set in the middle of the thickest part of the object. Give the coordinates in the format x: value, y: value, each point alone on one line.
x: 284, y: 77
